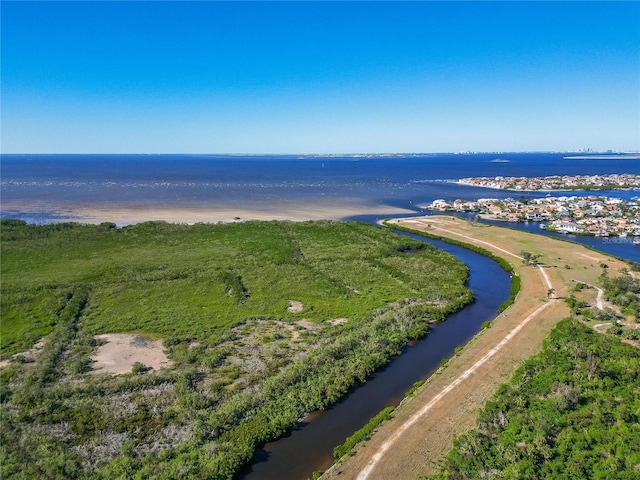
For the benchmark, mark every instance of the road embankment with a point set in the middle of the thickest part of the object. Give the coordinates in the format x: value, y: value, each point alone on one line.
x: 422, y: 429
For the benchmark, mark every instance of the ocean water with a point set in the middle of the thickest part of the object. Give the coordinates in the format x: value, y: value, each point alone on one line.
x: 47, y: 188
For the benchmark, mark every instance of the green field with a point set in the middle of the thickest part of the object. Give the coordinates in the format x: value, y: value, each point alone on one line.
x: 245, y: 366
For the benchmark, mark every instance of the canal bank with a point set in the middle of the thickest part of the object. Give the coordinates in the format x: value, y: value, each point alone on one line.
x: 422, y: 429
x: 309, y: 447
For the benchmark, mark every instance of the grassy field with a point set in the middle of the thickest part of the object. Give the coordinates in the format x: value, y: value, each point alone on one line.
x: 193, y: 282
x: 246, y: 364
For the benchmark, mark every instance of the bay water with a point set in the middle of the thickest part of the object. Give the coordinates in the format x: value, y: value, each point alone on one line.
x: 49, y: 188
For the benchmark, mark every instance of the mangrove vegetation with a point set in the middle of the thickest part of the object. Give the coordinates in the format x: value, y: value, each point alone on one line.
x: 262, y: 322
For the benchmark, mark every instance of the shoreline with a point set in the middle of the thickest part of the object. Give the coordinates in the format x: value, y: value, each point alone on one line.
x: 542, y: 190
x: 125, y: 215
x: 528, y: 190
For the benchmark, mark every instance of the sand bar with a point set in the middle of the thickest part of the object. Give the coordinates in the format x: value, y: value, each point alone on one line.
x: 129, y: 215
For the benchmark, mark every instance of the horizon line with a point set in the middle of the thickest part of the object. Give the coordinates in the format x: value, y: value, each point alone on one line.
x: 338, y: 154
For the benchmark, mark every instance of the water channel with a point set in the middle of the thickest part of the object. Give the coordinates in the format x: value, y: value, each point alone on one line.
x: 622, y: 247
x: 309, y: 447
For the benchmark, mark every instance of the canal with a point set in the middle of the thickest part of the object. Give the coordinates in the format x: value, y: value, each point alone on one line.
x: 309, y: 447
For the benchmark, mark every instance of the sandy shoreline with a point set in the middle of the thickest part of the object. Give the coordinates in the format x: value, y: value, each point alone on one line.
x: 129, y: 215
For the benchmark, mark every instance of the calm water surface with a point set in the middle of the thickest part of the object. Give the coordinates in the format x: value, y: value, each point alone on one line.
x: 38, y: 188
x: 217, y: 180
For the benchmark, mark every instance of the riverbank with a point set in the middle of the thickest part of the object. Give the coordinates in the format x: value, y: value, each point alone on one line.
x: 422, y: 429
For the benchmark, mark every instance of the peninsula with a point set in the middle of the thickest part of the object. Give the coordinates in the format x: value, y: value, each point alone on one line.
x: 590, y: 215
x: 556, y: 182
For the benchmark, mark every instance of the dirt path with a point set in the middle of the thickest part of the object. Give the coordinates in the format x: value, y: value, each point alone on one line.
x: 599, y: 297
x: 422, y: 430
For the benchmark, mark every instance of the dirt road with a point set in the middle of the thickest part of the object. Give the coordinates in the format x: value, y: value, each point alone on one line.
x: 423, y: 428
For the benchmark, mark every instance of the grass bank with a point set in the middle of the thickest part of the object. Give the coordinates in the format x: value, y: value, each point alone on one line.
x: 506, y: 266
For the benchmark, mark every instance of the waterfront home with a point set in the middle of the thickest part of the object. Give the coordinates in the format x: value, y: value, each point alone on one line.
x: 440, y: 204
x: 566, y: 226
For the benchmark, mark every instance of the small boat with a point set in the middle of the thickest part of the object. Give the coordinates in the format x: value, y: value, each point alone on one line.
x: 543, y: 226
x: 636, y: 242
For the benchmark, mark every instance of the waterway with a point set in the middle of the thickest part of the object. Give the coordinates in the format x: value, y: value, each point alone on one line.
x: 621, y: 247
x: 309, y: 447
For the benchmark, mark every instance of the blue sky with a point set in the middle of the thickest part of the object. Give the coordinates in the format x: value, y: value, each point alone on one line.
x: 331, y: 77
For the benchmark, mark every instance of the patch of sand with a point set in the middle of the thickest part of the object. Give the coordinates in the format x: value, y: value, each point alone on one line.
x: 338, y: 321
x: 306, y: 324
x: 121, y: 351
x: 295, y: 306
x: 316, y: 209
x: 309, y: 325
x: 30, y: 355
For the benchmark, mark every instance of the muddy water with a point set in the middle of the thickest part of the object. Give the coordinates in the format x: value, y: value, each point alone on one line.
x: 310, y: 446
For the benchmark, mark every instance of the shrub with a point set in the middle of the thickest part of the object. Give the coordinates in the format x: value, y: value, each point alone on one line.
x: 363, y: 434
x: 138, y: 368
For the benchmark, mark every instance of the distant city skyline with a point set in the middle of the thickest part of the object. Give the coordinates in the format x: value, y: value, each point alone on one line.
x: 319, y: 77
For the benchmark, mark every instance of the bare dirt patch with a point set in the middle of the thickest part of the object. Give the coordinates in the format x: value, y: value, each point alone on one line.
x: 309, y: 325
x: 121, y: 351
x: 295, y: 306
x: 305, y: 324
x: 30, y: 355
x: 338, y: 321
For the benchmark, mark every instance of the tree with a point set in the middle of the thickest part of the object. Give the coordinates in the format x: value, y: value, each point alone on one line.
x: 529, y: 258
